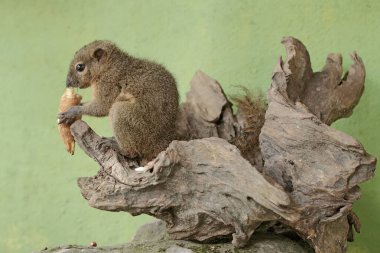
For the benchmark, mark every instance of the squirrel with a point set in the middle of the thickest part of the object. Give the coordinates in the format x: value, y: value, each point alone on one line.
x: 139, y: 96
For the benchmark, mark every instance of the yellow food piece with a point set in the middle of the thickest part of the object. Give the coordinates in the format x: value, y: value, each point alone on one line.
x: 68, y: 99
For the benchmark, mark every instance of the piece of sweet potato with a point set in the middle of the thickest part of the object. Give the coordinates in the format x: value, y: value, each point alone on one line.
x: 68, y: 99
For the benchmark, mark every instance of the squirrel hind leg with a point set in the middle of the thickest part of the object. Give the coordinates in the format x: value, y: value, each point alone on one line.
x: 125, y: 148
x: 112, y: 143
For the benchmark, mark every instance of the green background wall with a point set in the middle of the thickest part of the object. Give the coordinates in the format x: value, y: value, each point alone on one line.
x: 236, y: 42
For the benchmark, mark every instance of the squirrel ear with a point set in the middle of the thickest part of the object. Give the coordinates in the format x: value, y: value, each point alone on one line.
x: 98, y: 53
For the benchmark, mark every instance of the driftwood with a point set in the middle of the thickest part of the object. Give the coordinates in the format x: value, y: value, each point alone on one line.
x: 303, y: 174
x: 318, y: 166
x: 207, y: 112
x: 326, y: 94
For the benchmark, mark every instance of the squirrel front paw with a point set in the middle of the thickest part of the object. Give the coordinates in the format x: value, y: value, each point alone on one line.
x: 69, y: 116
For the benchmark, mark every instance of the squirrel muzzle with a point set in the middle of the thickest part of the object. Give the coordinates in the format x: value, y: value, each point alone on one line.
x: 70, y: 82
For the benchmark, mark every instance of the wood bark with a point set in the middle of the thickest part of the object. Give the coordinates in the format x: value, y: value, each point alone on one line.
x: 204, y: 189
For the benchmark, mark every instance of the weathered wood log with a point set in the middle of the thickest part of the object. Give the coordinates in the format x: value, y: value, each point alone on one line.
x: 204, y: 189
x: 206, y: 112
x: 318, y: 166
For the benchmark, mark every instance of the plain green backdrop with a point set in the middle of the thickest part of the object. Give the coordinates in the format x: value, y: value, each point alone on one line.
x: 236, y: 42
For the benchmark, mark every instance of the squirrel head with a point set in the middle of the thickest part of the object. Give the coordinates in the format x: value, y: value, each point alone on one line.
x: 89, y: 61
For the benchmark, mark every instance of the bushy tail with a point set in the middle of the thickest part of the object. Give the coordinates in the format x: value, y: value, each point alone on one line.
x: 250, y: 116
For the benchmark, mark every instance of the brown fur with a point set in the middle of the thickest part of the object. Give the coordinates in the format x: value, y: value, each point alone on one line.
x: 251, y: 114
x: 140, y: 97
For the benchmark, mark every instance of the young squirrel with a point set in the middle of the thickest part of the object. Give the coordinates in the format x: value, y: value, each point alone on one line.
x: 140, y: 97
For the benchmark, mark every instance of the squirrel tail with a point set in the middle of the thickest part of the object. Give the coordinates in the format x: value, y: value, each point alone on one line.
x: 250, y: 115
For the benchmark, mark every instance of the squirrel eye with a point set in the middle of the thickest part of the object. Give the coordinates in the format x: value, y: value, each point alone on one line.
x: 80, y: 67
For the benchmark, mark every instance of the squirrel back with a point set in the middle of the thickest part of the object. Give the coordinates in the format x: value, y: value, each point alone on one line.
x: 144, y: 114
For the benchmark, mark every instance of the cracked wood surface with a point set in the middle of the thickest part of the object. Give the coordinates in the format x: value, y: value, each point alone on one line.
x: 318, y: 166
x: 193, y: 187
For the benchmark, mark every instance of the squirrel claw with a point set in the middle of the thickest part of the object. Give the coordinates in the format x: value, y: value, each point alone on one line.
x: 141, y: 169
x: 147, y: 167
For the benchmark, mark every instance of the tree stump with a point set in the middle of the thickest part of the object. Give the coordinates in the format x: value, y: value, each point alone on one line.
x: 303, y: 174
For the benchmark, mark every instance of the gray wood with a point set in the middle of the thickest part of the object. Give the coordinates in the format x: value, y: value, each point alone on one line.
x: 327, y: 94
x: 206, y: 112
x: 319, y: 166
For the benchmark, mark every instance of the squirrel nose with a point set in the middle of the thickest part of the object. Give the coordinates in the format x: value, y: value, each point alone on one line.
x: 69, y: 82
